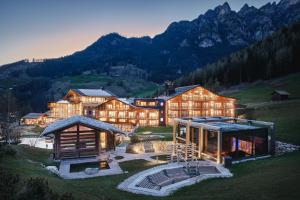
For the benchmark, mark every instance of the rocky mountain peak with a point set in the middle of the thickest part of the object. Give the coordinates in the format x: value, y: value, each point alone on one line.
x: 246, y: 9
x: 223, y: 9
x: 285, y: 4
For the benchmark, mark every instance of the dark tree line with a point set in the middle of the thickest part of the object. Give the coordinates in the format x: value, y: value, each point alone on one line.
x: 273, y: 57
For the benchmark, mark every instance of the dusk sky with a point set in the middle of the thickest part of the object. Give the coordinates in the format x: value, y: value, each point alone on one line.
x: 54, y: 28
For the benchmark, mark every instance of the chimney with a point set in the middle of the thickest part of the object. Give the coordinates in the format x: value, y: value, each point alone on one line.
x: 169, y: 88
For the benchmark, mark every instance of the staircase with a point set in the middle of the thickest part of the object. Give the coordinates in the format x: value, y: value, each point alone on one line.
x: 181, y: 152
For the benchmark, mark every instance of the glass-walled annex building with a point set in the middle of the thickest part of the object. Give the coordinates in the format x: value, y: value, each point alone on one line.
x: 218, y: 137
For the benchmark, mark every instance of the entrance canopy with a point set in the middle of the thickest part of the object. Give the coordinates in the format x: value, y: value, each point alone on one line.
x: 96, y: 124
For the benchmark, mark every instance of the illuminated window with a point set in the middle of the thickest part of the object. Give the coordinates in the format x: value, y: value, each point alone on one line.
x: 142, y: 115
x: 131, y: 115
x: 121, y: 114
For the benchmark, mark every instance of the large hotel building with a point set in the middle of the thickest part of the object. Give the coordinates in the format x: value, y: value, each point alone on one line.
x: 129, y: 113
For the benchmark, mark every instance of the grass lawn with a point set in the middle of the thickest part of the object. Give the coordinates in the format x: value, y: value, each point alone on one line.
x: 160, y: 157
x: 148, y: 91
x: 286, y: 117
x: 165, y: 131
x: 274, y: 178
x: 79, y: 79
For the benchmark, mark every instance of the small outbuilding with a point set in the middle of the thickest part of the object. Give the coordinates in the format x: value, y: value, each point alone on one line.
x: 217, y: 138
x: 279, y: 95
x: 32, y: 119
x: 80, y: 136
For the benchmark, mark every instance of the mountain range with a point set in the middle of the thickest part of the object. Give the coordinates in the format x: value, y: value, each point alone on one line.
x: 183, y: 47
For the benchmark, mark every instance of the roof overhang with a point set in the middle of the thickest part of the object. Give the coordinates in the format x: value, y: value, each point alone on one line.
x: 85, y: 121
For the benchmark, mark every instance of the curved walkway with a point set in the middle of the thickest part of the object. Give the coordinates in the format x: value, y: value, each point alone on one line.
x: 130, y: 183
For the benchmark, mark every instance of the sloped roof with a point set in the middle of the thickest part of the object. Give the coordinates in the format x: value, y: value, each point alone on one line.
x: 83, y: 120
x: 63, y: 101
x: 224, y: 124
x: 181, y: 90
x: 32, y: 115
x: 94, y: 92
x: 281, y: 92
x: 231, y: 127
x: 185, y: 88
x: 127, y: 100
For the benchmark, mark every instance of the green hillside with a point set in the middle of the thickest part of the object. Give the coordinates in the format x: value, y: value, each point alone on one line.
x: 273, y: 178
x: 261, y: 91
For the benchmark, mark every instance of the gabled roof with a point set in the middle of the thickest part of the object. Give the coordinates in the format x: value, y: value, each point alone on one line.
x: 33, y: 115
x: 181, y: 90
x: 281, y: 92
x: 93, y: 92
x: 128, y: 101
x: 60, y: 124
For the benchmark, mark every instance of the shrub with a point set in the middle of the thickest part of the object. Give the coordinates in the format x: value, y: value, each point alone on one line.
x: 11, y: 188
x: 119, y: 157
x: 135, y: 139
x: 8, y: 185
x: 7, y: 150
x: 67, y: 196
x: 37, y: 189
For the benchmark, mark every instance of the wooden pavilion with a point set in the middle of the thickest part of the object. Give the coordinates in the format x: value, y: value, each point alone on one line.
x: 215, y: 138
x: 81, y: 136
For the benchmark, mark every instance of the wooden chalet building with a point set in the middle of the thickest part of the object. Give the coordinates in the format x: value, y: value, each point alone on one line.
x: 280, y: 95
x: 188, y: 101
x: 80, y: 136
x: 33, y: 119
x: 195, y: 101
x: 78, y: 102
x: 125, y: 115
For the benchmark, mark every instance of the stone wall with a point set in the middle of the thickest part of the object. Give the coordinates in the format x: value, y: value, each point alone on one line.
x: 158, y: 146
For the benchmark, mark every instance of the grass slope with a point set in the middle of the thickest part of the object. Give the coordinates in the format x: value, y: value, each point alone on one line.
x: 261, y: 91
x: 274, y: 178
x: 121, y: 86
x: 268, y: 179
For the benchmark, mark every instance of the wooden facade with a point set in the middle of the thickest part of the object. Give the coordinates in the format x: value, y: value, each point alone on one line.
x: 79, y: 139
x: 127, y: 116
x: 76, y: 102
x: 33, y: 119
x: 189, y: 101
x: 195, y: 101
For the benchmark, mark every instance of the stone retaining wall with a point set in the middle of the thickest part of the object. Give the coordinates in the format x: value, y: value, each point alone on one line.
x: 158, y: 146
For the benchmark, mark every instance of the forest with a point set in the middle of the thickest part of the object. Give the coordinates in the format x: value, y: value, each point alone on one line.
x: 275, y: 56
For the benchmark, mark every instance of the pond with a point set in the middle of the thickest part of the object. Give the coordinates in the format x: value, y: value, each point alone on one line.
x: 82, y: 166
